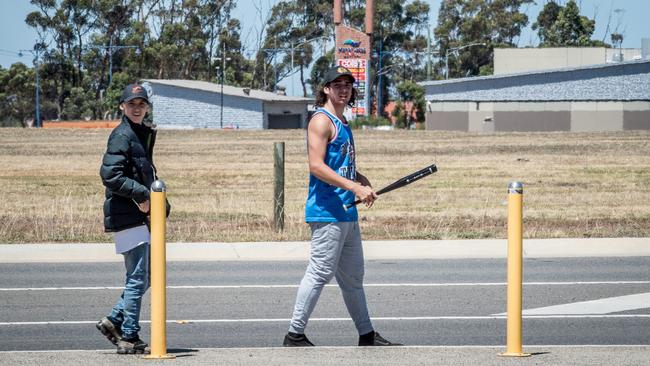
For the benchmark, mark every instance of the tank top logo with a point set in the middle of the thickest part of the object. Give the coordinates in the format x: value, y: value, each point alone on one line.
x: 348, y: 171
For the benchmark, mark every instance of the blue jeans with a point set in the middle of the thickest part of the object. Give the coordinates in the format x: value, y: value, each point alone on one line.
x: 127, y: 309
x: 336, y: 251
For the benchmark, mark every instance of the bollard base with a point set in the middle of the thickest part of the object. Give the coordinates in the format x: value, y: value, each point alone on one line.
x: 159, y: 357
x: 514, y: 354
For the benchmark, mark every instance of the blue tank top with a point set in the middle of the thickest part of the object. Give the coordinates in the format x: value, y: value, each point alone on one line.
x: 325, y: 201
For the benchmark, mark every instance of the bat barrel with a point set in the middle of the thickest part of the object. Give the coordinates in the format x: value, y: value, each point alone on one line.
x: 400, y: 183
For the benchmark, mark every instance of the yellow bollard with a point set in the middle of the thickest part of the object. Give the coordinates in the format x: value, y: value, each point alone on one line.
x: 158, y: 273
x: 515, y: 205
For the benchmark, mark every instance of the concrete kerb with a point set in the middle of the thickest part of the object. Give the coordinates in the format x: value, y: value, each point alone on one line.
x: 299, y: 251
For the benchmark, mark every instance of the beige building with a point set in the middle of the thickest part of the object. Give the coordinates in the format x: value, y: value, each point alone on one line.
x: 606, y: 97
x: 516, y: 60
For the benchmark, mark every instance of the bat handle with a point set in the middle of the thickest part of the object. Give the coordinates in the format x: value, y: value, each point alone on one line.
x: 350, y: 205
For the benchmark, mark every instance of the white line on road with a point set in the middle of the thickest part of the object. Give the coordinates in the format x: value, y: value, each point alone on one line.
x: 275, y: 320
x: 452, y: 284
x: 600, y: 306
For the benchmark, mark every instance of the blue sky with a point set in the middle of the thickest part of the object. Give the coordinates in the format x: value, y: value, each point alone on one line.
x: 629, y: 15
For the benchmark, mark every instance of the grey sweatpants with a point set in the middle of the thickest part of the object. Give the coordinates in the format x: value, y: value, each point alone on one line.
x: 335, y: 251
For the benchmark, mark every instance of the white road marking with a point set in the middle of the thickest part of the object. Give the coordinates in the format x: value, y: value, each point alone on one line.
x: 275, y: 320
x: 581, y: 310
x: 601, y: 306
x: 452, y: 284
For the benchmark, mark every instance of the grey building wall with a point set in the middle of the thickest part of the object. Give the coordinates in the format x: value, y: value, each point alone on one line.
x: 447, y: 121
x: 534, y: 121
x: 636, y: 120
x: 596, y: 116
x: 636, y: 116
x: 542, y: 116
x: 191, y: 108
x: 285, y: 109
x: 448, y: 116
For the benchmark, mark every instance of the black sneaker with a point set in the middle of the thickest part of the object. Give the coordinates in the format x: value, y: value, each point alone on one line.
x: 109, y: 330
x: 132, y: 346
x: 296, y: 340
x: 374, y: 339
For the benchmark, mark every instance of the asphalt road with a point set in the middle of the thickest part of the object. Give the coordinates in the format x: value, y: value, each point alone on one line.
x: 453, y: 302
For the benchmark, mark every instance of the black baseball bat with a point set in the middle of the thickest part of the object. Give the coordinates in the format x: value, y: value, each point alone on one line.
x: 404, y: 181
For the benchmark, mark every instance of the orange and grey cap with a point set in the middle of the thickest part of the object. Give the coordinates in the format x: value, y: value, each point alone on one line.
x: 133, y: 91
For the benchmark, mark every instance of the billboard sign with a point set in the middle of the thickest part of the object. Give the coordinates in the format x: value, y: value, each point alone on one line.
x: 352, y: 52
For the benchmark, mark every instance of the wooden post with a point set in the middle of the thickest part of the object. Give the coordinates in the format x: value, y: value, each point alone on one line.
x: 278, y: 186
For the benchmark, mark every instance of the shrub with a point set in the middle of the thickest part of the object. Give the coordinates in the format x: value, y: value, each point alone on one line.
x: 371, y: 121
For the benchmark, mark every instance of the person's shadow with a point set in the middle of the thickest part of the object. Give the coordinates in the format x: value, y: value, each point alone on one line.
x: 182, y: 352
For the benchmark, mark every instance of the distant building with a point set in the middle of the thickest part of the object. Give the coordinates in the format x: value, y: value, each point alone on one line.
x: 517, y: 60
x: 197, y: 104
x: 390, y: 107
x: 606, y: 97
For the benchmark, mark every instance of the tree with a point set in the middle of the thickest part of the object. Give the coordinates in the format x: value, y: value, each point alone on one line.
x: 411, y: 99
x: 17, y: 95
x: 215, y: 16
x: 399, y: 31
x: 287, y: 47
x: 563, y: 26
x: 174, y: 39
x: 51, y: 21
x: 319, y: 69
x: 546, y: 20
x: 399, y: 41
x: 237, y: 67
x: 495, y: 23
x: 76, y: 105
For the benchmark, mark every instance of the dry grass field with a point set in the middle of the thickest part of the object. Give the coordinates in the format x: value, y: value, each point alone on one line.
x: 220, y: 184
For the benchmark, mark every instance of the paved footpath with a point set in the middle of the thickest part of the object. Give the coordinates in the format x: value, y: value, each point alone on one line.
x: 343, y: 356
x: 373, y: 250
x: 286, y: 251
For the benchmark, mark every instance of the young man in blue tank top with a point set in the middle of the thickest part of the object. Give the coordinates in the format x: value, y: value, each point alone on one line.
x: 336, y: 249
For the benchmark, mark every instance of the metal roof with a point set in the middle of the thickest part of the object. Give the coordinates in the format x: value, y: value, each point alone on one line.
x: 627, y: 81
x: 227, y: 90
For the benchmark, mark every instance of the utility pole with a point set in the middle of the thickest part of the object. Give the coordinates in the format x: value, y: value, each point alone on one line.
x: 36, y: 52
x: 110, y: 49
x: 222, y: 68
x: 428, y: 52
x: 380, y: 111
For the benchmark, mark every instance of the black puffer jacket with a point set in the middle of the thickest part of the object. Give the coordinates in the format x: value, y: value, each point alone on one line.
x: 127, y: 172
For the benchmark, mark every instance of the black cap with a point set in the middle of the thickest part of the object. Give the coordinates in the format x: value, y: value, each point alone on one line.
x: 133, y: 91
x: 338, y: 71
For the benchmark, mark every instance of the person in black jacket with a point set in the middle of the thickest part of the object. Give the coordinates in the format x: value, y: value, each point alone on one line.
x: 127, y: 172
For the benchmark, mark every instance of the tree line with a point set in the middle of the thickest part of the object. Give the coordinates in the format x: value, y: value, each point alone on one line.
x: 88, y: 50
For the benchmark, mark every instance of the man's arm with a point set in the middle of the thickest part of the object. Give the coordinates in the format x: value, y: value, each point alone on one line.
x: 113, y: 171
x: 319, y: 132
